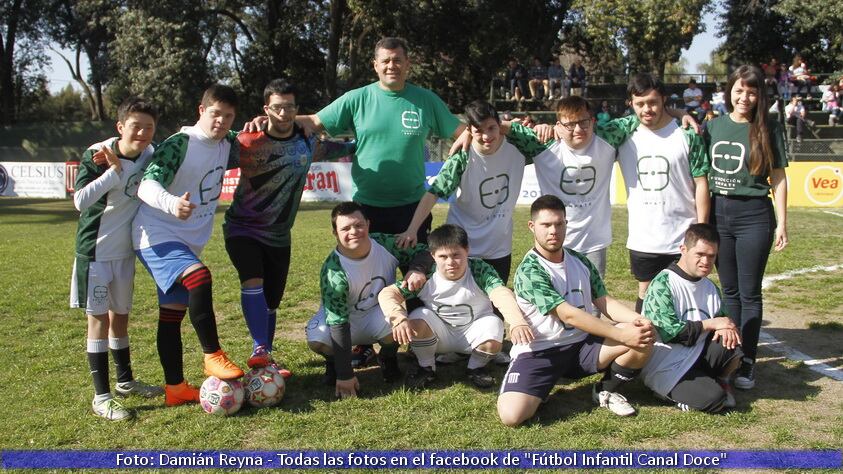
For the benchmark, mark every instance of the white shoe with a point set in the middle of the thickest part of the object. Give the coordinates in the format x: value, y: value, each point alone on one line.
x: 111, y: 409
x: 615, y: 402
x: 136, y: 387
x: 730, y: 394
x: 450, y: 358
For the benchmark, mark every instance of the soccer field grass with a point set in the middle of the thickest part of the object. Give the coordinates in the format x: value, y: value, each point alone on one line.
x: 44, y: 374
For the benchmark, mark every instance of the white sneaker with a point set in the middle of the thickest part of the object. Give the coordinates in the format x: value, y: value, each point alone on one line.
x: 730, y: 394
x: 615, y: 402
x: 111, y: 409
x: 136, y: 387
x: 502, y: 358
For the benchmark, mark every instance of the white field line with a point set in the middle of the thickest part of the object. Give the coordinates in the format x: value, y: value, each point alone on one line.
x: 834, y: 213
x: 771, y: 342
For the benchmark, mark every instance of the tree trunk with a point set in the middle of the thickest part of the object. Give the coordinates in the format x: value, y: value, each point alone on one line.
x: 338, y: 8
x: 7, y: 66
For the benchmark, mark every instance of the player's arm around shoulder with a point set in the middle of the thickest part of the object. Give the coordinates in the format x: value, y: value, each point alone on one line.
x: 524, y: 140
x: 617, y: 131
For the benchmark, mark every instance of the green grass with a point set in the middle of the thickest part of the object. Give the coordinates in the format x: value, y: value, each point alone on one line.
x: 44, y: 374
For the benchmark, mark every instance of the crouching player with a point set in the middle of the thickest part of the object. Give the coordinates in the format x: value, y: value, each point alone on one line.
x: 699, y: 349
x: 104, y: 268
x: 457, y: 315
x: 351, y: 279
x: 180, y: 191
x: 557, y: 289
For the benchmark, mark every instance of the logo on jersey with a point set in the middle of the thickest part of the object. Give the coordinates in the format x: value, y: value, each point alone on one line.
x: 576, y: 180
x: 132, y: 184
x: 457, y: 315
x: 211, y: 185
x: 411, y: 119
x: 368, y: 297
x: 512, y: 377
x: 689, y: 314
x: 727, y: 157
x: 494, y: 191
x: 653, y: 172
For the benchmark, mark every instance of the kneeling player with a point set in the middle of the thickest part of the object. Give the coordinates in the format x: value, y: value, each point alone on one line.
x: 700, y: 351
x: 104, y: 268
x: 352, y: 276
x: 556, y: 289
x: 457, y: 315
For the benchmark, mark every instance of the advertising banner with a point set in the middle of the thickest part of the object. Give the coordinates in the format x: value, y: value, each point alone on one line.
x: 41, y: 180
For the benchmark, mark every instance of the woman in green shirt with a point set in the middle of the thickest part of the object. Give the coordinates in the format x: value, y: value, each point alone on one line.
x: 748, y: 158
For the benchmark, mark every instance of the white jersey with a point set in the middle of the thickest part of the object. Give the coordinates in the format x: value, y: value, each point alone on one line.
x: 487, y: 189
x: 542, y: 285
x: 670, y: 302
x: 460, y: 302
x: 108, y: 202
x: 187, y: 162
x: 658, y: 170
x: 581, y: 179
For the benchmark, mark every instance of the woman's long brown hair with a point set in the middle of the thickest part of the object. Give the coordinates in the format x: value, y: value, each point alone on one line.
x: 760, y: 148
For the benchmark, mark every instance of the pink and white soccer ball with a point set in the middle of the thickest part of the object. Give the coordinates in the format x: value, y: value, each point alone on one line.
x: 264, y: 387
x: 221, y: 397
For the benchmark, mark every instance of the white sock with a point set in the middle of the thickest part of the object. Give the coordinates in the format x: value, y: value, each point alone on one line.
x: 425, y: 351
x: 479, y: 359
x: 102, y: 398
x: 118, y: 343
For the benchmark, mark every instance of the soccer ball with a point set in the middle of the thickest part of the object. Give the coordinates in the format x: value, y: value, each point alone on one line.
x: 221, y: 397
x: 264, y: 387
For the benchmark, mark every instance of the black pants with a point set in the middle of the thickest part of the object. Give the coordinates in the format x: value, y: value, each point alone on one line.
x: 747, y: 227
x: 501, y: 265
x: 395, y: 220
x: 253, y: 259
x: 698, y: 388
x: 800, y: 124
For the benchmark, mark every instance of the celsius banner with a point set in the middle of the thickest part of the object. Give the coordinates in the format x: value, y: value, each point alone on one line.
x: 25, y: 179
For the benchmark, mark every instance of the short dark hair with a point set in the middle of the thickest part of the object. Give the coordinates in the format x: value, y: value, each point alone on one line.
x: 219, y: 93
x: 692, y: 81
x: 480, y: 110
x: 136, y: 104
x: 697, y: 232
x: 391, y: 42
x: 346, y: 208
x: 448, y: 235
x: 547, y: 202
x: 641, y: 83
x: 572, y: 105
x: 279, y: 87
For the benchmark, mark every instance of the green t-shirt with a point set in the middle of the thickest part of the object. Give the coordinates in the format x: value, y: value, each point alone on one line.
x: 728, y: 145
x: 391, y: 128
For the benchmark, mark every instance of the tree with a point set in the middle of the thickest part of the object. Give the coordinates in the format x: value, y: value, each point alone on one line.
x: 753, y: 32
x: 817, y: 31
x: 651, y: 33
x: 21, y: 24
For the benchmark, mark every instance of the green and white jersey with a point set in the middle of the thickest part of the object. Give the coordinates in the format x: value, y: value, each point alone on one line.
x: 542, y: 285
x: 487, y: 189
x: 671, y: 301
x: 108, y: 202
x: 582, y: 180
x: 459, y: 302
x: 659, y: 167
x: 350, y: 287
x: 391, y: 128
x: 187, y: 162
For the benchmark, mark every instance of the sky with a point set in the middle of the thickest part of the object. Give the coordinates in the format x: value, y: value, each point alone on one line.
x: 699, y: 52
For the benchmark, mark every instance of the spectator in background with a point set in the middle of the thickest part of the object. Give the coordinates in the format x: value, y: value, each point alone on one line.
x: 604, y: 116
x: 771, y: 76
x: 718, y: 101
x: 516, y: 76
x: 556, y: 79
x: 539, y: 86
x: 692, y: 97
x: 795, y: 115
x: 784, y: 82
x: 799, y: 75
x: 576, y: 75
x: 831, y: 105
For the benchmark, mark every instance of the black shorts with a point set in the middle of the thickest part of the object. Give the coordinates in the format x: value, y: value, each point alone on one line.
x: 645, y: 266
x: 254, y: 259
x: 698, y: 389
x: 535, y: 373
x: 395, y: 220
x: 501, y: 265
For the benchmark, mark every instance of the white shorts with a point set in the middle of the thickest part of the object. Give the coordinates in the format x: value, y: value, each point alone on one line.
x: 462, y: 339
x: 367, y: 329
x: 102, y: 286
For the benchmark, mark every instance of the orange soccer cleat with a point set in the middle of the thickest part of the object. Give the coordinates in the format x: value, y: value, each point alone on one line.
x: 220, y: 366
x: 180, y: 394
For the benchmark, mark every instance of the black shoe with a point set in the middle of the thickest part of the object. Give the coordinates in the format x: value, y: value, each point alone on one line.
x: 745, y: 379
x: 362, y: 356
x: 480, y: 377
x: 418, y: 377
x: 330, y: 377
x: 389, y: 369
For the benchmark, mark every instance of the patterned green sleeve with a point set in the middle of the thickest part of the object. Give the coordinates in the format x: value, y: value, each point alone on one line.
x: 658, y: 308
x: 616, y: 131
x: 697, y: 154
x: 404, y: 256
x: 167, y: 159
x: 333, y: 284
x: 484, y: 275
x: 406, y: 293
x: 526, y: 141
x: 450, y: 176
x: 88, y: 170
x: 533, y: 284
x: 598, y: 288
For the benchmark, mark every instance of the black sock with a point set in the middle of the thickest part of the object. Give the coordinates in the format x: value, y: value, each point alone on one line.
x: 123, y: 364
x: 201, y: 308
x: 98, y: 363
x: 616, y: 376
x: 169, y: 344
x: 639, y: 305
x: 389, y: 351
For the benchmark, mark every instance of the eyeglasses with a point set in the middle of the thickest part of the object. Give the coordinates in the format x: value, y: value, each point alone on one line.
x: 584, y: 124
x: 278, y: 108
